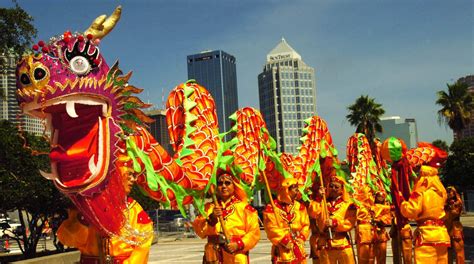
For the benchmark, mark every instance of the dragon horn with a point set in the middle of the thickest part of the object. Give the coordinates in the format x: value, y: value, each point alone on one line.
x: 102, y: 25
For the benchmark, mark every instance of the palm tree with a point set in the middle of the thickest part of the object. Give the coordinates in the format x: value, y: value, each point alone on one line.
x: 457, y: 106
x: 365, y: 115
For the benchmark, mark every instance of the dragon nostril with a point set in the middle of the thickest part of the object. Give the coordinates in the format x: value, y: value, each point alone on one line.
x: 39, y: 74
x: 24, y: 79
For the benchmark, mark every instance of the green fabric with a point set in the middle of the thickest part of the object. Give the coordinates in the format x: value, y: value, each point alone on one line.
x: 395, y: 149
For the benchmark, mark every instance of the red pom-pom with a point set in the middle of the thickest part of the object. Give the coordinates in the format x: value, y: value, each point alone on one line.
x: 80, y: 38
x: 89, y: 36
x: 35, y: 47
x: 45, y: 49
x: 41, y: 43
x: 67, y: 36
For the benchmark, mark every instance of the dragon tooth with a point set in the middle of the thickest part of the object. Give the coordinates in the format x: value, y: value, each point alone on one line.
x: 71, y: 110
x: 47, y: 175
x: 92, y: 165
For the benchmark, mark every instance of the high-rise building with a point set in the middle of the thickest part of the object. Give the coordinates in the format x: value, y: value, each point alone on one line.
x: 9, y: 109
x: 395, y: 126
x: 216, y: 71
x: 468, y: 131
x: 159, y: 129
x: 287, y: 94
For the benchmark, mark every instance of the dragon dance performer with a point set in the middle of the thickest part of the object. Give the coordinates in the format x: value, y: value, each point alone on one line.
x: 426, y: 206
x: 240, y: 220
x: 287, y: 225
x: 382, y: 218
x: 365, y: 231
x: 95, y: 249
x: 453, y: 210
x: 342, y: 217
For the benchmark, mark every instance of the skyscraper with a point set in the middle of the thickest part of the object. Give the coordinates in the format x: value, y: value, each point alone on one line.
x: 216, y: 71
x: 9, y: 109
x: 287, y: 94
x: 159, y: 129
x: 395, y: 126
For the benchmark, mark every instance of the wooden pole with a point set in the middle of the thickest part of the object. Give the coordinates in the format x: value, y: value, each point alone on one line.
x: 267, y: 186
x: 221, y: 220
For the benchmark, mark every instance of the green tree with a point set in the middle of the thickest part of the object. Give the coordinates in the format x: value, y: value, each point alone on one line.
x: 23, y: 188
x: 456, y: 106
x: 441, y: 144
x: 365, y: 115
x: 16, y: 30
x: 459, y: 169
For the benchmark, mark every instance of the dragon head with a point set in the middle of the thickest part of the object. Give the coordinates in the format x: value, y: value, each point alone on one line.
x: 88, y: 109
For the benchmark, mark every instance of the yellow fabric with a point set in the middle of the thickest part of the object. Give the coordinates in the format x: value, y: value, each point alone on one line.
x: 241, y: 222
x: 281, y: 224
x: 427, y: 203
x: 283, y: 192
x: 365, y: 253
x: 338, y: 211
x: 72, y: 233
x: 382, y: 217
x: 380, y: 252
x: 333, y: 256
x: 431, y: 255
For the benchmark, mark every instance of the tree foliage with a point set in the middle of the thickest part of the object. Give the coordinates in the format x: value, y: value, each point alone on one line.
x: 441, y: 144
x: 16, y: 30
x: 459, y: 169
x: 23, y: 188
x: 365, y: 115
x: 457, y: 105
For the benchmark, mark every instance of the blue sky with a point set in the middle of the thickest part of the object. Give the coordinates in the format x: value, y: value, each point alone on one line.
x: 399, y: 52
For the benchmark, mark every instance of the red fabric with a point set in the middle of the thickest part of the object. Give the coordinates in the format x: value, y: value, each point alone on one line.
x: 400, y: 188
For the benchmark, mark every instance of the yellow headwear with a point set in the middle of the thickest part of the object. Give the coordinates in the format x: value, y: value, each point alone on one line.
x: 283, y: 192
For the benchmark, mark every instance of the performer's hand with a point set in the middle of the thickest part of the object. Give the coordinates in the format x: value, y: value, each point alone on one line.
x: 217, y: 211
x: 329, y: 222
x: 322, y: 192
x: 288, y: 246
x: 232, y: 247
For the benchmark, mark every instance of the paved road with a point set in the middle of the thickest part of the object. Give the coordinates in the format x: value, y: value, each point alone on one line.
x: 176, y: 249
x: 190, y: 250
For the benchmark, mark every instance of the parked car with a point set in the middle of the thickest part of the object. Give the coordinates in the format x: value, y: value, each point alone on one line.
x: 167, y: 220
x: 7, y: 227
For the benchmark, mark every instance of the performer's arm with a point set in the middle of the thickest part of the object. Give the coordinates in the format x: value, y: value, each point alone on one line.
x: 315, y: 211
x: 412, y: 208
x: 276, y: 234
x: 304, y: 222
x: 346, y: 223
x: 252, y: 236
x: 72, y: 232
x: 202, y: 225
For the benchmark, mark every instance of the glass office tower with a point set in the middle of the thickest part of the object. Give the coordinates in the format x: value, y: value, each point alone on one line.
x: 216, y: 71
x: 287, y: 95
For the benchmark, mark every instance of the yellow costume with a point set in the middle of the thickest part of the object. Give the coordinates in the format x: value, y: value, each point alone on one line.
x: 455, y: 229
x: 74, y: 233
x: 365, y: 231
x: 365, y: 234
x: 426, y: 206
x: 382, y: 217
x: 343, y: 215
x: 241, y: 223
x: 287, y: 227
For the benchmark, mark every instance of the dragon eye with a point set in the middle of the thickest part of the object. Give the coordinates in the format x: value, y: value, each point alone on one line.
x: 39, y: 74
x: 24, y: 79
x: 80, y: 65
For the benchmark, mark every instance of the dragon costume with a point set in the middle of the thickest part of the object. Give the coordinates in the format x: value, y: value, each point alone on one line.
x: 98, y: 135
